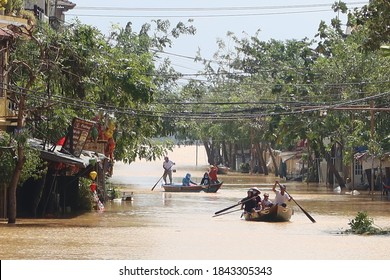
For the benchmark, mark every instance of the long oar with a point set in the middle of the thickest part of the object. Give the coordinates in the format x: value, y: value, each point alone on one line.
x: 158, y: 181
x: 230, y: 207
x: 227, y: 213
x: 303, y: 210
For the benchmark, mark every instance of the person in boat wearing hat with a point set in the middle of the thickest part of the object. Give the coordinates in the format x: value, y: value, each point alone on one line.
x: 281, y: 196
x: 213, y: 174
x: 266, y: 202
x: 252, y: 201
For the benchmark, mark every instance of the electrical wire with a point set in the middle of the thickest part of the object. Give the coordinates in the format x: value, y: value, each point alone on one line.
x: 205, y: 115
x: 228, y: 8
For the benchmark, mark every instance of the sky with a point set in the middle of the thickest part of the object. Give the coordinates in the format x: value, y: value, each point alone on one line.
x: 213, y: 19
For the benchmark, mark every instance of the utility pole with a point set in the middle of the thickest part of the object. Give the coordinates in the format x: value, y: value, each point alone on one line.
x: 372, y: 139
x: 252, y: 151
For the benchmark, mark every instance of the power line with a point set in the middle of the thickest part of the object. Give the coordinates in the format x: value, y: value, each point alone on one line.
x: 171, y: 113
x: 199, y: 9
x: 207, y: 9
x: 197, y: 16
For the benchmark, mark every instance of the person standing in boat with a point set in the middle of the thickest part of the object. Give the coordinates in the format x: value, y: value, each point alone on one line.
x: 266, y: 202
x: 252, y: 201
x: 281, y: 196
x: 167, y: 165
x: 187, y: 180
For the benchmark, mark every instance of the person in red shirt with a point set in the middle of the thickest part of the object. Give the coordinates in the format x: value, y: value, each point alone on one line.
x: 213, y: 174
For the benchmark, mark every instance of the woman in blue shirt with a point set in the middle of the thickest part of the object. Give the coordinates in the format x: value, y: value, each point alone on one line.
x: 187, y: 180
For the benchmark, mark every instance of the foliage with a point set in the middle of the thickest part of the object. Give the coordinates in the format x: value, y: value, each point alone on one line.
x: 85, y: 197
x: 113, y: 192
x: 3, y: 3
x: 350, y: 76
x: 6, y: 157
x: 374, y: 21
x: 279, y: 90
x: 270, y: 92
x: 12, y: 6
x: 363, y: 224
x: 244, y: 167
x: 90, y: 75
x: 33, y: 165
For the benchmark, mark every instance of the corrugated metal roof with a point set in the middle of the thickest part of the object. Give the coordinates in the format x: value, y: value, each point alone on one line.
x: 57, y: 156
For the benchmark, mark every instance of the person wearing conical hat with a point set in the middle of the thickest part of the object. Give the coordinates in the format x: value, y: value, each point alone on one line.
x: 252, y: 201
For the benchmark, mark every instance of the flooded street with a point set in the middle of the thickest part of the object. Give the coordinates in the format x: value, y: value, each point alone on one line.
x: 180, y: 226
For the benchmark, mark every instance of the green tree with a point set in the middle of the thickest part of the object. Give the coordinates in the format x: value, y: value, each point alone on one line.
x: 56, y: 75
x: 374, y: 21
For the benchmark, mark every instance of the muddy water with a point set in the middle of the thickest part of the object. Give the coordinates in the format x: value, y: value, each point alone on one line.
x: 170, y: 226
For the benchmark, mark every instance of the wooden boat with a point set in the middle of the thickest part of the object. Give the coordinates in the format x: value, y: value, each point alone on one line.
x: 127, y: 196
x: 181, y: 188
x: 213, y: 188
x: 194, y: 188
x: 274, y: 214
x: 223, y: 169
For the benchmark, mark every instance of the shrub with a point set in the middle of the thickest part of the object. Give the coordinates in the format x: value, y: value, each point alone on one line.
x: 363, y: 224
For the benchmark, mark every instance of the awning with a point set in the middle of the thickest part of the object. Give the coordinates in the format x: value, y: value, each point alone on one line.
x: 289, y: 155
x: 368, y: 161
x: 56, y: 156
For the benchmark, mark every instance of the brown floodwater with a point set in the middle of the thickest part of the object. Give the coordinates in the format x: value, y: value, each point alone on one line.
x: 170, y: 226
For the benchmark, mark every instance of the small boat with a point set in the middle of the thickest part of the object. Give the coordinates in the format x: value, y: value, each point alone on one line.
x: 222, y: 169
x: 181, y: 188
x: 213, y: 188
x: 193, y: 188
x: 275, y: 213
x: 127, y: 196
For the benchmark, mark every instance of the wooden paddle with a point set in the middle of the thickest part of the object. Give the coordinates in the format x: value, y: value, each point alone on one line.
x: 303, y: 210
x: 239, y: 203
x: 227, y: 213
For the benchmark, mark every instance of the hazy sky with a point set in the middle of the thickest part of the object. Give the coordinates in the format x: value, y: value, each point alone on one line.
x: 277, y: 19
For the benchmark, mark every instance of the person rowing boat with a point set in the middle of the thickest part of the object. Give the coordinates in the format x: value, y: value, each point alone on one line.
x: 252, y: 201
x: 281, y: 196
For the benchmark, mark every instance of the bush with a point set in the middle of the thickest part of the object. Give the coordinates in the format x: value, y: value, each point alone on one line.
x: 85, y: 197
x: 363, y: 224
x: 244, y: 167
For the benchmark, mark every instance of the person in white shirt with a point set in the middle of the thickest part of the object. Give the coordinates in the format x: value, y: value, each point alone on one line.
x: 167, y: 165
x: 281, y: 196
